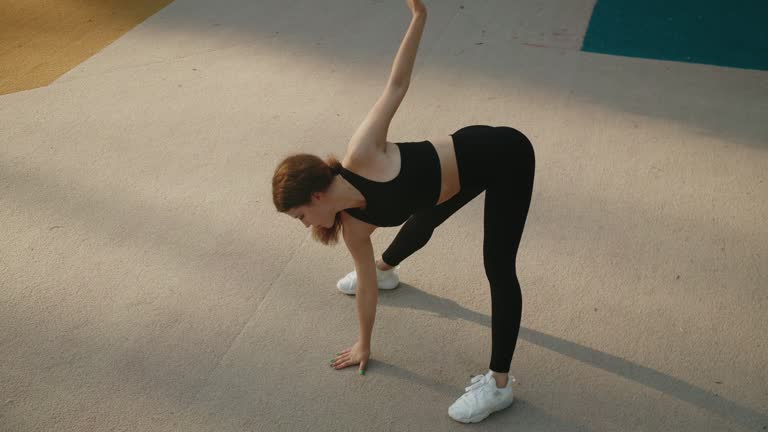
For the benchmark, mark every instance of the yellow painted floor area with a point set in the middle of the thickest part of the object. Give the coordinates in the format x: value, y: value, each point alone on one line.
x: 40, y: 40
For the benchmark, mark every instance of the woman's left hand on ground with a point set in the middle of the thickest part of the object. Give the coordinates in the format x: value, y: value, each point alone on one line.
x: 353, y: 355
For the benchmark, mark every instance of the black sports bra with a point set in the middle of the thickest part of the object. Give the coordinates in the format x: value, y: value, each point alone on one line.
x: 416, y: 186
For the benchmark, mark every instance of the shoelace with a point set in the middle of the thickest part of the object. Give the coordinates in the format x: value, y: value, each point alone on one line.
x: 478, y: 381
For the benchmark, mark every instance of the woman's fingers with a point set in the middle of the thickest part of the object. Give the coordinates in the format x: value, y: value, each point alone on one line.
x: 340, y: 356
x: 345, y: 358
x: 338, y: 360
x: 345, y: 364
x: 341, y: 364
x: 343, y: 361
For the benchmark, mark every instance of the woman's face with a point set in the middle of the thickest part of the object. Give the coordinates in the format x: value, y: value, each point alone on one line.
x: 316, y: 213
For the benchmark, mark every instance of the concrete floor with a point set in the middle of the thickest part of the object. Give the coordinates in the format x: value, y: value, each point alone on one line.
x: 148, y: 284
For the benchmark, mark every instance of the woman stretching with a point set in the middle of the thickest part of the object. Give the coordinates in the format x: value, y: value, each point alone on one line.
x: 384, y: 184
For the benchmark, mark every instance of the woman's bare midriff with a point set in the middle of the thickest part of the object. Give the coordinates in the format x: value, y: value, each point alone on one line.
x: 448, y: 168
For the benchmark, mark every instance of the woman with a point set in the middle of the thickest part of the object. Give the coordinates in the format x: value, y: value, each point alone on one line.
x: 380, y: 184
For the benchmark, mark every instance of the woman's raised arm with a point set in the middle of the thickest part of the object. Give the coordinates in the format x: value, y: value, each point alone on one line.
x: 400, y: 76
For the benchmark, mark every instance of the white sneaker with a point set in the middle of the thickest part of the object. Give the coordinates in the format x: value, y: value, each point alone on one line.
x: 387, y: 279
x: 481, y: 399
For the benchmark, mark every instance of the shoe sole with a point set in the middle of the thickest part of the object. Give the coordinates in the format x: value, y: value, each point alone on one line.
x: 482, y: 416
x: 381, y: 288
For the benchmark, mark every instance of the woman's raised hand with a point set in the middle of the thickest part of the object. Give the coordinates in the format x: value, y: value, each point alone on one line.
x: 417, y: 7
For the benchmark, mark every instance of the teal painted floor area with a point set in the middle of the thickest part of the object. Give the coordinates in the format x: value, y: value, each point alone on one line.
x: 732, y: 33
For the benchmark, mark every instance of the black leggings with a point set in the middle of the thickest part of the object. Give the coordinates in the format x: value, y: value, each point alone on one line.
x: 500, y: 161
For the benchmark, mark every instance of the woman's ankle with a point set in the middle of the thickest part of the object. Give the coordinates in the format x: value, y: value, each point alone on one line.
x: 381, y: 265
x: 501, y: 379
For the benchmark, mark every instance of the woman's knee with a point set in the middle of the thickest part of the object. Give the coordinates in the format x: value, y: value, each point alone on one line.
x: 409, y: 239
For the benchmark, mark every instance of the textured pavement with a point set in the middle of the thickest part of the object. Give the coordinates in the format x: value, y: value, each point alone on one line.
x: 148, y: 284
